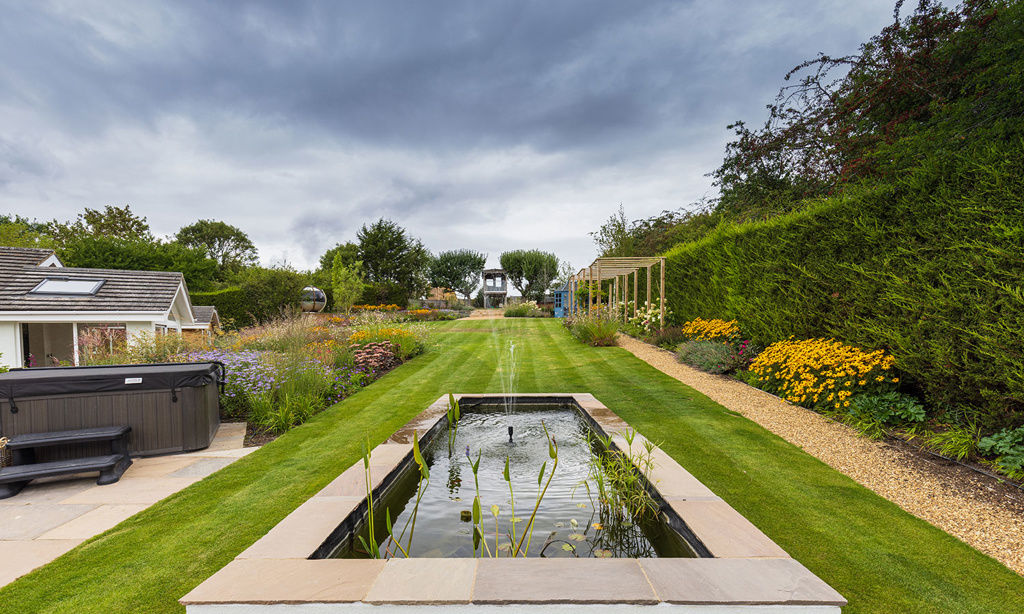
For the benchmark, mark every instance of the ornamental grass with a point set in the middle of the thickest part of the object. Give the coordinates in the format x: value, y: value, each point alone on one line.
x: 822, y: 373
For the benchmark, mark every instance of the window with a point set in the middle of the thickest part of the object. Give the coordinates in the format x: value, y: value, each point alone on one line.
x: 65, y: 285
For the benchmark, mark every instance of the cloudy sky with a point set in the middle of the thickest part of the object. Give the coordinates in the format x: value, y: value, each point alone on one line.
x: 489, y: 125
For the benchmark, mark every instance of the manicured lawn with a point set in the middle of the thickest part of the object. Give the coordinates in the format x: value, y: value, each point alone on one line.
x: 879, y: 557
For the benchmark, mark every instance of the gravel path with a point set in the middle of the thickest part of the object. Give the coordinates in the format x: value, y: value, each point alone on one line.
x: 983, y: 513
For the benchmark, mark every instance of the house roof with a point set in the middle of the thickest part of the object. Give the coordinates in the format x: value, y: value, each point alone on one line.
x: 19, y: 257
x: 122, y: 291
x: 204, y: 314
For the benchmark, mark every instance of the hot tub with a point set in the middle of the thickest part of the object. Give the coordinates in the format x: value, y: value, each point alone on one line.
x: 171, y: 407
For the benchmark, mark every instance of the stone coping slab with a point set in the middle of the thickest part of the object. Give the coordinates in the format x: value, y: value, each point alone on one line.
x: 747, y: 570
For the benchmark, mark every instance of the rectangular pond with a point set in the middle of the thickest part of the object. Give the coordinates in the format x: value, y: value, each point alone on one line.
x: 588, y: 509
x: 295, y: 567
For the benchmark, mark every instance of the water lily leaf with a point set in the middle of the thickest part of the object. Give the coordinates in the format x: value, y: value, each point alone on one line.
x: 559, y: 524
x: 598, y: 526
x: 456, y: 499
x: 577, y: 537
x: 573, y: 522
x: 567, y: 547
x: 463, y: 531
x: 625, y: 524
x: 516, y: 519
x: 603, y: 554
x: 581, y: 505
x: 506, y: 547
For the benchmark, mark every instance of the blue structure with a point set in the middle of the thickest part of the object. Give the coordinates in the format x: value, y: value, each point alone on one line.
x: 563, y: 300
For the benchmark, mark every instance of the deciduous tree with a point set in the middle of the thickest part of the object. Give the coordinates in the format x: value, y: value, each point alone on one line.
x: 530, y: 271
x: 458, y: 270
x: 228, y: 245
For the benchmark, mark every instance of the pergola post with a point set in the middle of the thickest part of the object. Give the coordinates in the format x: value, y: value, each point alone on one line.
x: 636, y: 288
x: 661, y: 291
x: 648, y: 306
x: 625, y: 298
x: 590, y: 290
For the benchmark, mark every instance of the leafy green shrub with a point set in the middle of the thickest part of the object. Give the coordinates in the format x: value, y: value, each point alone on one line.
x: 1008, y: 446
x: 874, y: 414
x: 889, y: 408
x: 711, y: 356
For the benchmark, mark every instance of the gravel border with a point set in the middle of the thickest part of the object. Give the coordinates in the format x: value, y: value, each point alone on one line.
x: 974, y: 508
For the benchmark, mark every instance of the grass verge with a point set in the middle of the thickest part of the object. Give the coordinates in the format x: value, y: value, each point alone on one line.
x: 879, y: 557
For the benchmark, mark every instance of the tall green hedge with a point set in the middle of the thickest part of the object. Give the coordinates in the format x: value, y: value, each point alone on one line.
x: 231, y: 304
x: 930, y: 268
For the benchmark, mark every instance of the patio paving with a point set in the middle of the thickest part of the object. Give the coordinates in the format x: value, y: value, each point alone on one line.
x: 52, y: 516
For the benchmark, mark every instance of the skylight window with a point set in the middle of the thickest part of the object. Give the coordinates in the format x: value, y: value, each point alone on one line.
x: 66, y: 286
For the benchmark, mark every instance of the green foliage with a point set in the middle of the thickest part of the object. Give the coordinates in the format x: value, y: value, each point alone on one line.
x: 525, y: 309
x: 458, y: 270
x: 1008, y: 445
x: 530, y: 271
x: 710, y: 356
x: 22, y: 233
x: 390, y: 256
x: 938, y: 82
x: 889, y: 407
x: 226, y: 244
x: 874, y: 414
x: 231, y: 305
x: 135, y: 254
x: 384, y: 293
x: 346, y: 283
x: 117, y: 222
x: 271, y: 292
x: 954, y: 441
x: 928, y: 267
x: 349, y: 253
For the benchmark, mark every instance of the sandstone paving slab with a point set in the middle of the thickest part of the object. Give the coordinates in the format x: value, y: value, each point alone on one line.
x: 424, y: 581
x: 233, y: 453
x: 738, y: 582
x: 157, y: 466
x: 230, y: 435
x: 672, y: 481
x: 52, y: 490
x: 352, y: 482
x: 30, y: 521
x: 143, y: 491
x: 93, y: 522
x: 202, y: 468
x: 725, y: 532
x: 263, y: 581
x: 22, y: 556
x: 302, y: 531
x: 568, y: 580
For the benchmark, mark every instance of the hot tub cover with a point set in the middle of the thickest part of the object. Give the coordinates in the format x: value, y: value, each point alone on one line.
x: 23, y: 383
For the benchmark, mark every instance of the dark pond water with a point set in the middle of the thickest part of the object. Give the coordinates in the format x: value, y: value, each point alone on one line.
x: 571, y: 520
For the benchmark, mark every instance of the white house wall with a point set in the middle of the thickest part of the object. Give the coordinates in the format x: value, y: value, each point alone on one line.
x: 10, y: 344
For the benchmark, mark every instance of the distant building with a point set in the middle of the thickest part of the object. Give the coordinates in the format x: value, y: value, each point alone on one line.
x: 495, y: 288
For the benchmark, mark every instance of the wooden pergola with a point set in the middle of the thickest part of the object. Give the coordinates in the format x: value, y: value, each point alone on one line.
x: 619, y: 270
